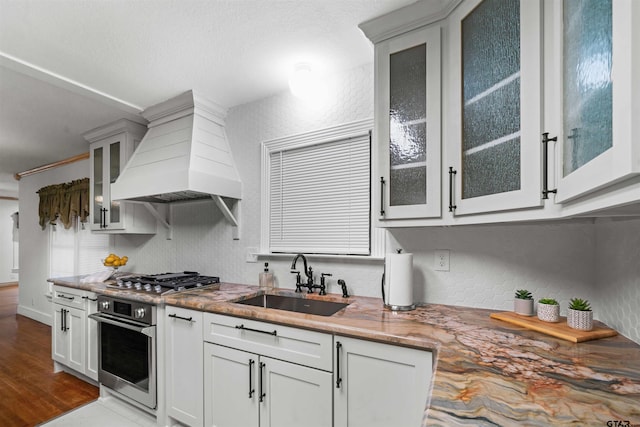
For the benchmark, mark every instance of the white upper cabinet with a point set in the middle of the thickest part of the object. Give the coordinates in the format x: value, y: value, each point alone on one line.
x: 110, y: 148
x: 407, y: 81
x: 494, y: 116
x: 511, y: 72
x: 597, y: 103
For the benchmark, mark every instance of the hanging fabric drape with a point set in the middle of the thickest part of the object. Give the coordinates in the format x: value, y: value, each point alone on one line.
x: 65, y: 202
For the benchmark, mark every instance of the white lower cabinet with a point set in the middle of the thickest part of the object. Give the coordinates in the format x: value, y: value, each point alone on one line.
x: 245, y: 389
x: 380, y: 384
x: 224, y: 371
x: 68, y: 337
x: 263, y: 374
x: 184, y: 381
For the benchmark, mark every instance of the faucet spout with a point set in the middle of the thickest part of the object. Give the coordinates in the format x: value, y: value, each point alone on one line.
x: 304, y: 260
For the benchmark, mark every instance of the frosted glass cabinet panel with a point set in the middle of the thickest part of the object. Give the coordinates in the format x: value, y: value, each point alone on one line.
x: 408, y: 125
x: 600, y: 68
x: 495, y: 117
x: 587, y: 92
x: 491, y: 99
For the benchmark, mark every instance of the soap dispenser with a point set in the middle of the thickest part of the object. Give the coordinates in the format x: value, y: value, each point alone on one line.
x: 266, y: 278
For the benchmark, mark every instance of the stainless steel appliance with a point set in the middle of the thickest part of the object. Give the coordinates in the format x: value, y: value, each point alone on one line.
x: 127, y: 348
x: 166, y: 282
x: 127, y: 330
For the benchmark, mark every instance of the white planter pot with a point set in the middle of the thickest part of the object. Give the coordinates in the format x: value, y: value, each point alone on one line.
x: 582, y: 320
x: 549, y: 312
x: 523, y: 306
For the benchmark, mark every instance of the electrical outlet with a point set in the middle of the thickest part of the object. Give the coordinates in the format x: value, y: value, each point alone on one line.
x: 441, y: 260
x: 252, y: 254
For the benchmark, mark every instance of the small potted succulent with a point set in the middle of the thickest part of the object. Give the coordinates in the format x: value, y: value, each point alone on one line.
x: 548, y: 310
x: 523, y: 303
x: 580, y: 315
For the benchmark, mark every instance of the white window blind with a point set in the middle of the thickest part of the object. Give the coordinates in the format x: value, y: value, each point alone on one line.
x: 76, y: 251
x: 320, y: 198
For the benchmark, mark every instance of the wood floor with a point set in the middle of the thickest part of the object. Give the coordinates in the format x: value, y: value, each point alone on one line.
x: 30, y: 393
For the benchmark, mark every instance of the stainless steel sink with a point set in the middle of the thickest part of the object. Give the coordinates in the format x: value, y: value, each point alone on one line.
x: 299, y: 305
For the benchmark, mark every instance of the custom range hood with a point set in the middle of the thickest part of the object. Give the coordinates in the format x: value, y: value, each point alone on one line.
x: 183, y: 156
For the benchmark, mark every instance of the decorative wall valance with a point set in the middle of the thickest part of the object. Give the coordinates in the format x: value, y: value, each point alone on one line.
x: 65, y: 202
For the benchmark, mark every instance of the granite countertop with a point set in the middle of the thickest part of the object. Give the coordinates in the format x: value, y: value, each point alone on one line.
x: 486, y: 372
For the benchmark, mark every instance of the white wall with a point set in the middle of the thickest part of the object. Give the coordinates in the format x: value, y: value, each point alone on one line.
x: 34, y: 242
x: 488, y: 263
x: 7, y: 208
x: 618, y: 275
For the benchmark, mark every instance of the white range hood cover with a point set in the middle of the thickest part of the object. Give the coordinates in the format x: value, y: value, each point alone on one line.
x: 183, y: 156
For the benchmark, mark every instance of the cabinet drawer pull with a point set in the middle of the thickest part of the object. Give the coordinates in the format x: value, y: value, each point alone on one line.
x: 251, y: 389
x: 188, y: 319
x: 262, y: 393
x: 90, y: 299
x: 452, y: 172
x: 382, y: 183
x: 274, y: 333
x: 66, y: 297
x: 338, y: 379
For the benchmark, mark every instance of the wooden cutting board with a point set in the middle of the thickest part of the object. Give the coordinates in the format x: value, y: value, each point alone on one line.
x: 558, y: 330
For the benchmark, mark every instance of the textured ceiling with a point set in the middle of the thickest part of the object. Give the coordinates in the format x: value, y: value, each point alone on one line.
x: 90, y: 61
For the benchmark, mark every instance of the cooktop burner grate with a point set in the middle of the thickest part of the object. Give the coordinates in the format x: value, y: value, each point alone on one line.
x: 167, y: 282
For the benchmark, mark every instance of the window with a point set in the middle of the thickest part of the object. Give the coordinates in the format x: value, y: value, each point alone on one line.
x: 317, y: 192
x: 76, y: 251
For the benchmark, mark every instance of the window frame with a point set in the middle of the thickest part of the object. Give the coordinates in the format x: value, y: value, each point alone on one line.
x: 326, y: 135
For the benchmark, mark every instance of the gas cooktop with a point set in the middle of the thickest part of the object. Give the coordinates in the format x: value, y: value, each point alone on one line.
x: 166, y: 282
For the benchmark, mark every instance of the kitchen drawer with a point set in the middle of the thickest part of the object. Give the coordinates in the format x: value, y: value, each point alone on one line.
x: 69, y: 296
x: 309, y: 348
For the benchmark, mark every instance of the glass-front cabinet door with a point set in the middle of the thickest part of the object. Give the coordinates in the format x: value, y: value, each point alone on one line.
x: 598, y: 54
x: 494, y: 150
x: 408, y: 127
x: 107, y: 158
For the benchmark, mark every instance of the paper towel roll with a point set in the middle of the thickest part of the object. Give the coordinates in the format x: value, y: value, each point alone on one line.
x: 399, y: 279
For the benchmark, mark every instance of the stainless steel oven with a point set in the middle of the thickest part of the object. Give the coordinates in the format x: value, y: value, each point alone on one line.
x: 127, y: 348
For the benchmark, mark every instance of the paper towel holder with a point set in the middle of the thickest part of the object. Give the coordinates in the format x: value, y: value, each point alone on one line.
x: 393, y: 305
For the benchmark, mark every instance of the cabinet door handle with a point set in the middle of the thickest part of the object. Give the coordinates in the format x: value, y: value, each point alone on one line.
x: 62, y: 319
x: 274, y: 333
x: 382, y: 183
x: 545, y: 164
x: 262, y: 393
x: 338, y: 379
x: 104, y: 218
x: 188, y: 319
x: 63, y: 312
x: 251, y: 389
x: 452, y: 173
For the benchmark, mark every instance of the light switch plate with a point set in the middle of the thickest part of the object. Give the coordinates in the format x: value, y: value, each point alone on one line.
x: 252, y: 254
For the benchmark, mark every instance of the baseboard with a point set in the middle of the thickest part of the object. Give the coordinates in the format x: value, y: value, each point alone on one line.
x: 2, y: 285
x: 35, y: 314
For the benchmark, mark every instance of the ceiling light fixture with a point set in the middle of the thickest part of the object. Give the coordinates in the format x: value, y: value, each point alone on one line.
x: 303, y: 81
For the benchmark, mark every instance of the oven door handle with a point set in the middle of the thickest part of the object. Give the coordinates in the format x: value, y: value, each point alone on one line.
x: 149, y: 331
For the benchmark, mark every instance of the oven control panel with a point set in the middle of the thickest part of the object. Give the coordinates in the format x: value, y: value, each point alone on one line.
x: 127, y: 309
